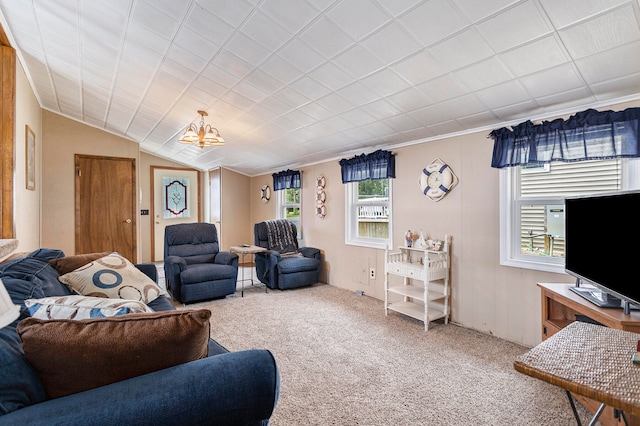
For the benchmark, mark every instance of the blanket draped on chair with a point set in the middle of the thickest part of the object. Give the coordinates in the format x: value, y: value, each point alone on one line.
x: 280, y: 236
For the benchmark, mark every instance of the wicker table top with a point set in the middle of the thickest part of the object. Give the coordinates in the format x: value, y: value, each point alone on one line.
x: 589, y: 360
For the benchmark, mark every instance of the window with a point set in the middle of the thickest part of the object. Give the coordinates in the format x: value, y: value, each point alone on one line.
x: 368, y: 213
x: 289, y: 207
x: 532, y: 206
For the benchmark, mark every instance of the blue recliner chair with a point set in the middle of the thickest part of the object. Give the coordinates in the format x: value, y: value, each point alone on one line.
x: 194, y: 267
x: 284, y: 265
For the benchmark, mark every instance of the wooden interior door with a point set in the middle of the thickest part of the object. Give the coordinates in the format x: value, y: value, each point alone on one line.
x: 105, y: 205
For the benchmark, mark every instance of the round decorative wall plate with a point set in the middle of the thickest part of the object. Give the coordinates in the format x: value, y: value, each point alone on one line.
x: 321, y: 197
x: 437, y: 180
x: 265, y: 193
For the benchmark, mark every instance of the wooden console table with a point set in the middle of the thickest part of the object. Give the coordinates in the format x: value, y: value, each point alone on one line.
x: 561, y: 307
x: 589, y: 360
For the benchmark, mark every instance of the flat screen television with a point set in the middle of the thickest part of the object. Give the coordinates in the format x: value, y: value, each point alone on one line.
x: 602, y: 232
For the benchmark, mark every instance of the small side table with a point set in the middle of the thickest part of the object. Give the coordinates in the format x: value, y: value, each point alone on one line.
x: 243, y: 250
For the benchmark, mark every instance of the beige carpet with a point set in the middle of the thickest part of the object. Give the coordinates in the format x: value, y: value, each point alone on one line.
x: 343, y: 362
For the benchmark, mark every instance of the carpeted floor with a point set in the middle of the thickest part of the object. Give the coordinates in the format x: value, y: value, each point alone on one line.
x: 343, y: 362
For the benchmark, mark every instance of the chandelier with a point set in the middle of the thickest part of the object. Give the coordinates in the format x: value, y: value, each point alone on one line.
x: 205, y: 135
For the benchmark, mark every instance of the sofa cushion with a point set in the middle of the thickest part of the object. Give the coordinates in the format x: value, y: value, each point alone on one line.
x: 66, y: 264
x: 112, y: 276
x: 19, y: 383
x: 71, y: 356
x: 82, y: 307
x: 203, y: 272
x: 297, y: 264
x: 37, y: 270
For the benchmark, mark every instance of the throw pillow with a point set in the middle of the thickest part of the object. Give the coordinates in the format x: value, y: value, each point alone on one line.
x: 72, y: 356
x: 67, y: 264
x: 82, y: 307
x: 112, y: 276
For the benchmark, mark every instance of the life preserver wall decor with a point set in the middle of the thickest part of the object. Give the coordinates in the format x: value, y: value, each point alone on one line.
x: 265, y: 194
x: 437, y: 180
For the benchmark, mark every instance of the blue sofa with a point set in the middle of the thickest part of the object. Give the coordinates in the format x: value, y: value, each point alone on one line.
x: 226, y: 388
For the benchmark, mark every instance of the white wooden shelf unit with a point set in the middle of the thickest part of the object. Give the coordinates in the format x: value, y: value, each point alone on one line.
x: 416, y: 283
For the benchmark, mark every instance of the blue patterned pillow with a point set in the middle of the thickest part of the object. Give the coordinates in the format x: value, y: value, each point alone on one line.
x: 113, y: 277
x: 82, y: 307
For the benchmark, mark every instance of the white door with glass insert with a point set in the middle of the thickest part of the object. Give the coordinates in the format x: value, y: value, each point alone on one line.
x: 175, y: 200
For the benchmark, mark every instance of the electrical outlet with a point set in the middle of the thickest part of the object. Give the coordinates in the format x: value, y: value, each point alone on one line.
x: 372, y: 273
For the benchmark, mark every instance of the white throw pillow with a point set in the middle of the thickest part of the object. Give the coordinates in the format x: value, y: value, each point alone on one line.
x: 114, y: 277
x: 82, y: 307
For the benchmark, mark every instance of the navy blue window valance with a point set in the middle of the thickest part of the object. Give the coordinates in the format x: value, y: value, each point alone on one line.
x: 286, y: 179
x: 587, y: 135
x: 377, y: 165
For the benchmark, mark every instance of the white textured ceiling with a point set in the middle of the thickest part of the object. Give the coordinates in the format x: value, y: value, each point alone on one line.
x: 293, y: 82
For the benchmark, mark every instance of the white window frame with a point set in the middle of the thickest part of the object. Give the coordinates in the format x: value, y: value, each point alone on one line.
x: 351, y: 219
x: 281, y: 207
x: 510, y: 217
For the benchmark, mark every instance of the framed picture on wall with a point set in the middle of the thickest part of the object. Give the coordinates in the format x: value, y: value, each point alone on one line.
x: 30, y: 141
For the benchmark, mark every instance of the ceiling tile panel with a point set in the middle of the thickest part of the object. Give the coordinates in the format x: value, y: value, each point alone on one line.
x: 476, y: 10
x: 280, y: 70
x: 443, y: 88
x: 331, y: 76
x: 208, y: 25
x: 291, y: 15
x: 535, y: 56
x: 448, y: 21
x: 566, y: 99
x: 483, y: 74
x: 335, y: 103
x: 461, y: 50
x: 358, y: 62
x: 382, y: 109
x: 385, y: 83
x: 301, y: 55
x: 602, y: 33
x: 310, y: 87
x: 266, y: 32
x: 567, y: 12
x: 154, y: 19
x: 419, y: 68
x: 598, y: 68
x: 446, y: 127
x: 553, y: 80
x: 247, y: 49
x: 507, y: 93
x: 358, y: 93
x: 409, y: 100
x: 615, y: 88
x: 233, y: 12
x: 326, y: 37
x: 358, y: 18
x: 522, y: 22
x: 291, y: 97
x: 391, y: 44
x: 399, y: 7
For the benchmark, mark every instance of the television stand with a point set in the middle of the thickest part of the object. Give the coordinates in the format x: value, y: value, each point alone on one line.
x: 561, y: 306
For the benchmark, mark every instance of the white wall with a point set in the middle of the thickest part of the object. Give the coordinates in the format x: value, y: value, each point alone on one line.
x: 498, y: 300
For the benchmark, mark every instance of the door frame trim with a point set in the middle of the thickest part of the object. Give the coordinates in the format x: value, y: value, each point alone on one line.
x: 152, y: 187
